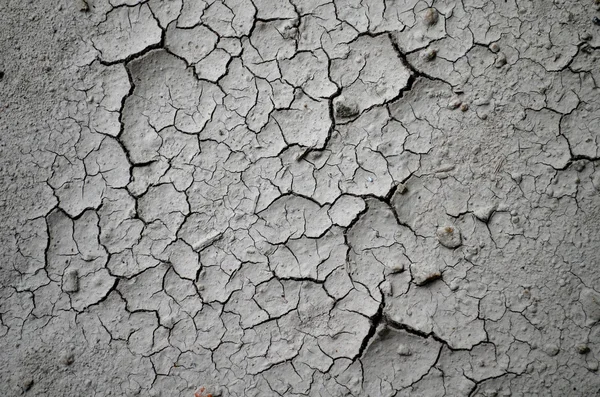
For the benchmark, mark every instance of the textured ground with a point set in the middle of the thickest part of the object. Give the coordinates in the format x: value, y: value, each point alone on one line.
x: 300, y: 198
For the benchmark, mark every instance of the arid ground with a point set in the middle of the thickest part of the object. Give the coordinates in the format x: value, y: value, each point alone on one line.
x: 299, y: 198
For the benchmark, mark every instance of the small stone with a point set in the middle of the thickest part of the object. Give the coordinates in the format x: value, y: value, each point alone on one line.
x: 401, y: 188
x: 403, y: 350
x: 449, y: 236
x: 586, y: 36
x: 429, y: 54
x: 593, y: 366
x: 454, y: 285
x: 84, y: 6
x: 500, y: 60
x: 582, y: 348
x: 454, y: 103
x: 71, y: 281
x: 430, y: 17
x: 426, y: 277
x: 397, y: 268
x: 494, y: 47
x: 464, y: 107
x: 67, y: 359
x: 551, y: 349
x: 596, y: 21
x: 482, y: 101
x: 27, y: 383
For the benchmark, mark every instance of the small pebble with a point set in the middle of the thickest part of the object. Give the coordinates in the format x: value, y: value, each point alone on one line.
x: 396, y: 268
x: 429, y: 54
x: 27, y: 383
x: 596, y: 21
x: 454, y: 285
x: 551, y: 349
x: 84, y: 6
x: 586, y: 36
x: 401, y: 188
x: 67, y: 359
x: 494, y: 47
x: 582, y: 348
x: 431, y: 17
x: 426, y: 277
x: 454, y: 103
x: 464, y: 107
x: 500, y: 60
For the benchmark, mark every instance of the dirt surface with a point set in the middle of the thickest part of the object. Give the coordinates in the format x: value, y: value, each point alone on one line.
x: 300, y: 198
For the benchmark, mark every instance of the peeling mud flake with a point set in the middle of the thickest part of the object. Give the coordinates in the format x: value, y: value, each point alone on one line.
x: 449, y: 236
x: 485, y: 213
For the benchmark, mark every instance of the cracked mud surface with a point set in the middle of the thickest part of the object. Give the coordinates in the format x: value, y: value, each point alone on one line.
x: 300, y: 198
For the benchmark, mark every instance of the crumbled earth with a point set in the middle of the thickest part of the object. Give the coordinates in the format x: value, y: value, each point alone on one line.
x: 300, y: 198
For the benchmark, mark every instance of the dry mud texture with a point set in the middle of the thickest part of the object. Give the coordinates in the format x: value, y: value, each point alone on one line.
x: 300, y: 198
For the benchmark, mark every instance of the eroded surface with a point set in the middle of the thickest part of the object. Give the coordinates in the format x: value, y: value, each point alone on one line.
x: 310, y: 198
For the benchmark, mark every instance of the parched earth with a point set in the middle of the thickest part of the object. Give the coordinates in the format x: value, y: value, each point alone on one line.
x: 300, y: 198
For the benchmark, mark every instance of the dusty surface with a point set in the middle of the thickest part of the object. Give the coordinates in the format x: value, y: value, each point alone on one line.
x: 300, y: 198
